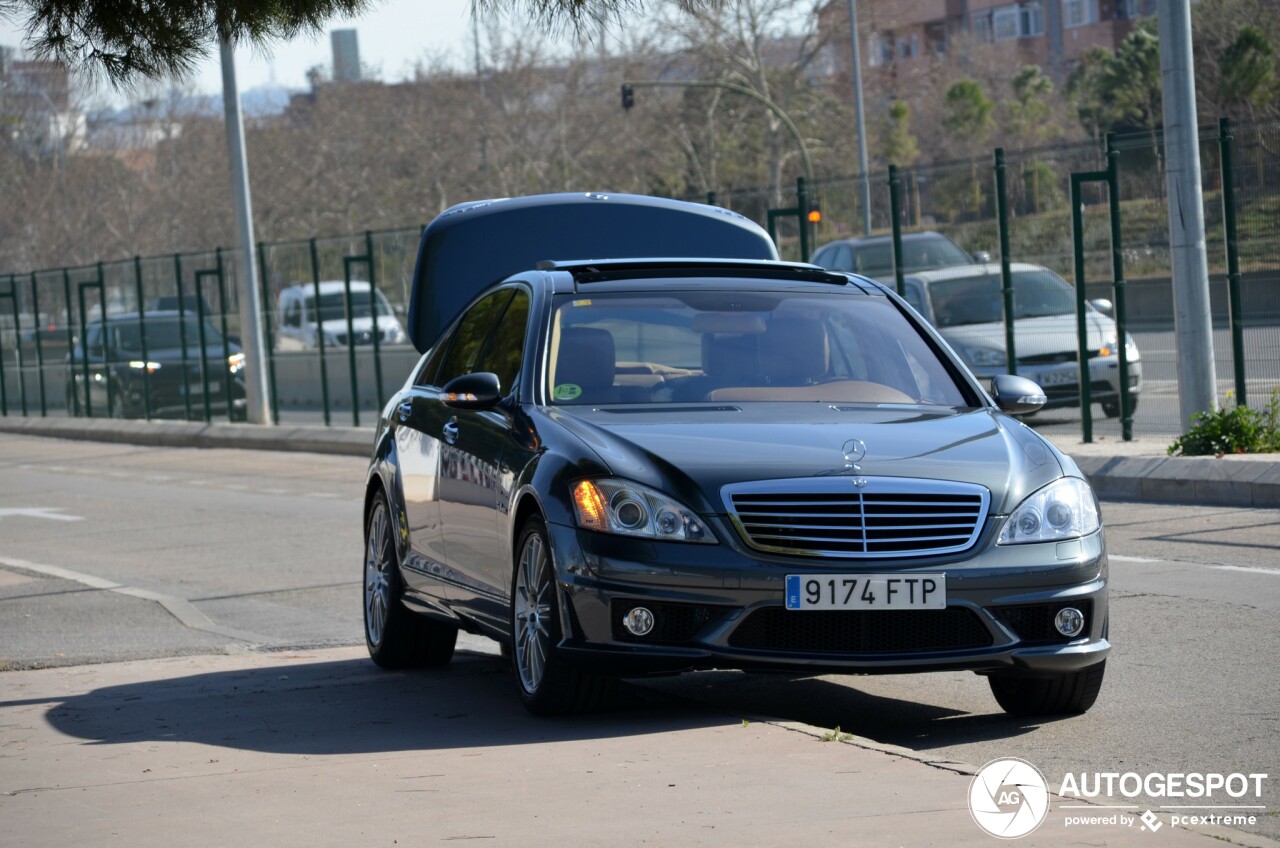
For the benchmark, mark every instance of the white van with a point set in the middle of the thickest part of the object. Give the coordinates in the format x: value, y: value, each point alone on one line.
x: 300, y: 322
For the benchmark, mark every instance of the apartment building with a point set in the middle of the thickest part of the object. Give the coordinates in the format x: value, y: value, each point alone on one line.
x: 1049, y: 33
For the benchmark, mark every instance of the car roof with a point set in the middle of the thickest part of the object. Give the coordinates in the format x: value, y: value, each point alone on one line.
x: 868, y: 241
x: 120, y: 317
x: 331, y: 286
x: 651, y: 273
x: 956, y: 272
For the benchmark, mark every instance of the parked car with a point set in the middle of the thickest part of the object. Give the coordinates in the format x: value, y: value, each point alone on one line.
x: 648, y: 466
x: 967, y: 306
x: 873, y: 256
x: 301, y: 323
x: 166, y: 377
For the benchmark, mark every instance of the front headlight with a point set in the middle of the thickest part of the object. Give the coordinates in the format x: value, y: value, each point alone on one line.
x: 629, y: 509
x: 140, y: 365
x: 235, y: 362
x: 1065, y: 509
x: 984, y: 357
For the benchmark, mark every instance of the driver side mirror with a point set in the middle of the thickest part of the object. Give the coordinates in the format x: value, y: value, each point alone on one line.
x: 981, y: 256
x: 1017, y: 395
x: 1102, y: 305
x: 472, y: 391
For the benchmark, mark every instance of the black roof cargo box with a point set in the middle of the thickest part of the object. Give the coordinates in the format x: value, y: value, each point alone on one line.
x: 473, y: 245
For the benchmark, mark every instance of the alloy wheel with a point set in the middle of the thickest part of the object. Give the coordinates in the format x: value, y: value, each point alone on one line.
x: 377, y: 587
x: 532, y: 613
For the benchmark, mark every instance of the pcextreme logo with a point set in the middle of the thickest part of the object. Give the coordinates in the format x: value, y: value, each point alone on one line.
x: 1009, y: 798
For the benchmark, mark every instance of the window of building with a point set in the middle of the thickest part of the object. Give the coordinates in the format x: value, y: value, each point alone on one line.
x: 980, y: 25
x: 1031, y: 20
x: 1079, y: 12
x: 935, y: 37
x: 1004, y: 23
x: 908, y: 47
x: 880, y: 49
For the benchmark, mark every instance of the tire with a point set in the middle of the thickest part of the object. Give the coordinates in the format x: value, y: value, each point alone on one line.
x: 548, y: 687
x: 1065, y: 694
x: 1111, y: 408
x: 395, y: 636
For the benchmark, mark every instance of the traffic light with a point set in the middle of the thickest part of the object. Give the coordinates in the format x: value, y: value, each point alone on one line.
x: 815, y: 215
x: 628, y: 97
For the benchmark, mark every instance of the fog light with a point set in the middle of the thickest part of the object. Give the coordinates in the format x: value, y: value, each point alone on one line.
x: 639, y: 621
x: 1069, y: 621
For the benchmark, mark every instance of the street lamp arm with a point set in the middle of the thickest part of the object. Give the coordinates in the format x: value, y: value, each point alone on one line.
x: 745, y: 92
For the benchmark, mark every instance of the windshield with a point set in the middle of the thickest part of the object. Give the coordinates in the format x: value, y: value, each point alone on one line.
x: 162, y: 333
x: 977, y: 300
x: 741, y: 346
x: 918, y: 254
x: 333, y: 305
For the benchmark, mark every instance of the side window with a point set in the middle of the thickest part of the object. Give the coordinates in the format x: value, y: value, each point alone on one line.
x: 912, y: 295
x: 426, y: 376
x: 469, y: 340
x: 843, y: 259
x: 293, y: 313
x: 94, y: 341
x: 507, y: 347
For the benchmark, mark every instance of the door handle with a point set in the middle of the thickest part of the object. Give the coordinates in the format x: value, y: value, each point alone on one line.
x: 406, y: 409
x: 451, y: 430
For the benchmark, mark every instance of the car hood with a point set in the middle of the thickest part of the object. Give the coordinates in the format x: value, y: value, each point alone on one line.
x: 1045, y: 335
x: 691, y: 452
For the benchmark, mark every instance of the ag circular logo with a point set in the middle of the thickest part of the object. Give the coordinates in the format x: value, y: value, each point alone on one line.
x: 1009, y: 798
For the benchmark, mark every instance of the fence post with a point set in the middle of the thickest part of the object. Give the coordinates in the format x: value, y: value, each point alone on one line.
x: 895, y: 208
x: 35, y: 310
x: 268, y: 308
x: 4, y: 392
x: 324, y: 372
x: 1117, y: 269
x: 1082, y: 325
x: 1006, y: 273
x: 72, y: 399
x: 377, y: 326
x: 182, y: 337
x: 1226, y: 143
x: 142, y: 338
x: 802, y: 214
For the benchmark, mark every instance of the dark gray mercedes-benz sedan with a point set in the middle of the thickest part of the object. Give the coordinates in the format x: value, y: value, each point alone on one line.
x: 646, y: 466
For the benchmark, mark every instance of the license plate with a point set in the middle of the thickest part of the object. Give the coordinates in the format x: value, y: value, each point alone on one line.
x: 198, y: 388
x: 866, y: 591
x: 1057, y: 378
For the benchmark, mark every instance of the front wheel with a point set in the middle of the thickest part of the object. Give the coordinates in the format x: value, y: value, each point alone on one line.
x: 1071, y: 693
x: 396, y: 637
x: 547, y: 686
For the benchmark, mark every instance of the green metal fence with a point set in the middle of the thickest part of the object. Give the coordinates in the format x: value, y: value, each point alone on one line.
x: 337, y: 361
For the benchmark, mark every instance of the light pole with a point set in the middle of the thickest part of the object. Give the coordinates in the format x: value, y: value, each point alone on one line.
x: 864, y: 180
x: 257, y: 387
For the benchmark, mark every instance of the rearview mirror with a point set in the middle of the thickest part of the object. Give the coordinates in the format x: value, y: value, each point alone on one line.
x: 981, y: 256
x: 1102, y: 305
x: 472, y: 391
x: 1017, y: 395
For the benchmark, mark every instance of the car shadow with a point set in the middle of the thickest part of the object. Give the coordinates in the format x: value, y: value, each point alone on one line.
x: 829, y: 704
x: 345, y: 707
x: 351, y: 706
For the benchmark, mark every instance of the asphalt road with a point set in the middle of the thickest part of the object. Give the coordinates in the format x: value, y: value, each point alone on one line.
x: 112, y: 552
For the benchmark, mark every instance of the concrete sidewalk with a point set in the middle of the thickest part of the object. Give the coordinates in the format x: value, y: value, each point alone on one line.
x: 322, y: 748
x: 1136, y: 470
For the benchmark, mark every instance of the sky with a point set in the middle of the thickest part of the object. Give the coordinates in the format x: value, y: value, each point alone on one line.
x: 392, y: 37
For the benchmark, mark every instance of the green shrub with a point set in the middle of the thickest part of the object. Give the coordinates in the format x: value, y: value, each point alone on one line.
x: 1235, y: 429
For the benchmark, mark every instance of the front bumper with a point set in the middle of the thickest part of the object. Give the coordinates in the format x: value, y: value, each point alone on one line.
x: 718, y: 607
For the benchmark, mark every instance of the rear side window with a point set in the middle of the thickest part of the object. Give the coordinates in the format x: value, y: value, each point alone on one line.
x: 507, y: 348
x: 472, y: 335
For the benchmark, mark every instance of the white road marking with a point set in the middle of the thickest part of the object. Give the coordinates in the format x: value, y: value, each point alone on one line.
x: 1119, y: 558
x: 179, y: 608
x: 1274, y: 572
x: 50, y: 513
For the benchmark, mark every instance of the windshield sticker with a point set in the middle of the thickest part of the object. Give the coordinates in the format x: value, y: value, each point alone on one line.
x: 582, y: 303
x: 567, y: 391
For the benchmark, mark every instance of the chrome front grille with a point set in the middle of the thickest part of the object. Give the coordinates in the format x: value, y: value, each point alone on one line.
x: 836, y: 517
